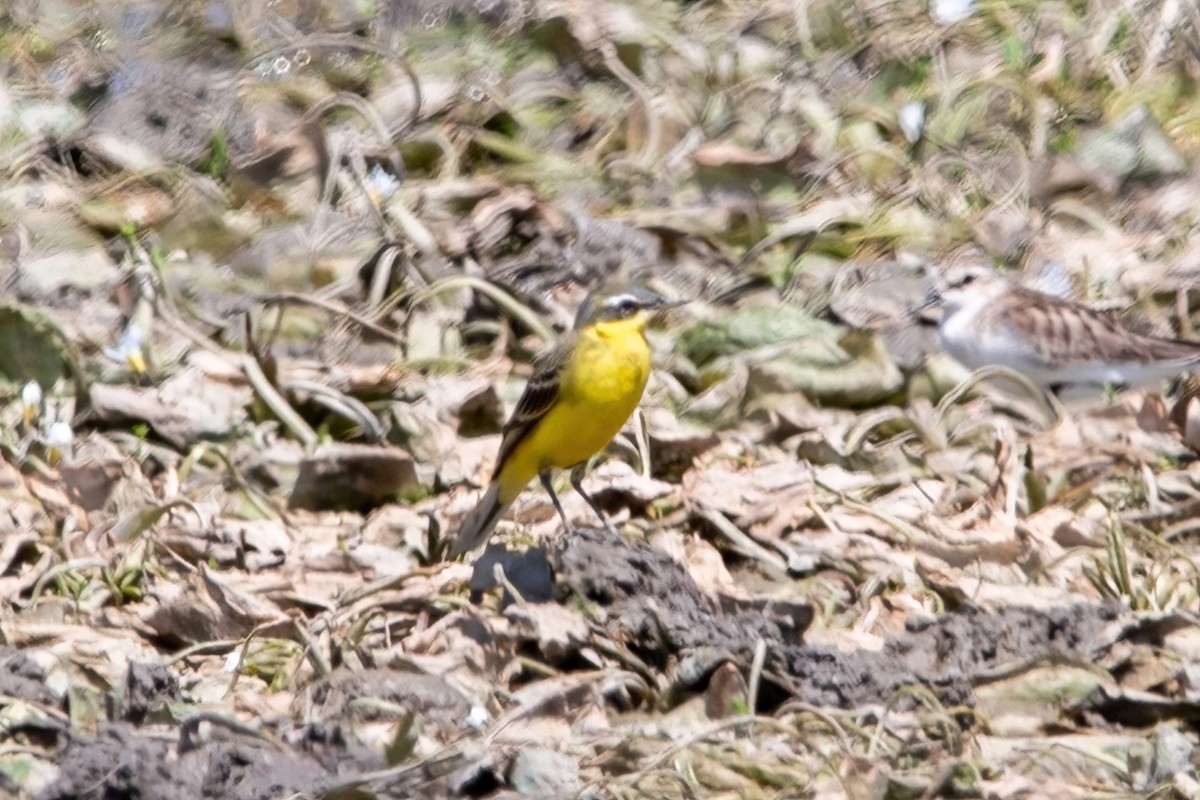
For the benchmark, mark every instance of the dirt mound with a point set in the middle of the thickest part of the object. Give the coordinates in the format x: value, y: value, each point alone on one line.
x: 656, y: 607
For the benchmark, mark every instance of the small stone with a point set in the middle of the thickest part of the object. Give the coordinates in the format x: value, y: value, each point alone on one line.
x: 353, y: 477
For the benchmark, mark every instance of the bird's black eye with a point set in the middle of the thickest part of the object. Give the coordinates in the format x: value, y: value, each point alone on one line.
x: 623, y: 307
x: 965, y: 280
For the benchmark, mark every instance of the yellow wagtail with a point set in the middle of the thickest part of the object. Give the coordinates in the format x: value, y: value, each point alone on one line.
x: 581, y: 394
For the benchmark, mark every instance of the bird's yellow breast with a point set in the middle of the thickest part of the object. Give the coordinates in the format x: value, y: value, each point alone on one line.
x: 601, y: 385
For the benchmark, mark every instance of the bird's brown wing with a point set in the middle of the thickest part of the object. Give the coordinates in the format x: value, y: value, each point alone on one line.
x: 1066, y: 332
x: 540, y: 395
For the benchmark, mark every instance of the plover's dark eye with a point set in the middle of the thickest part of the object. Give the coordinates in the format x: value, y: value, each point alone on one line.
x: 965, y: 280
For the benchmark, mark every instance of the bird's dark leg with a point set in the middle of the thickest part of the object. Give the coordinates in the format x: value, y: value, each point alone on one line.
x: 544, y: 477
x: 577, y: 483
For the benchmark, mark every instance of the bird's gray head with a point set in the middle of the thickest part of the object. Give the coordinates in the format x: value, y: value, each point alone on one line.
x: 612, y: 304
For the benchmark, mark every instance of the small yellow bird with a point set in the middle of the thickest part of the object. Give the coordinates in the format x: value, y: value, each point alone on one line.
x: 582, y: 392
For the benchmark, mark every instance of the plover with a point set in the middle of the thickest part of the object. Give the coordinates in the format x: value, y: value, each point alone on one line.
x: 989, y: 320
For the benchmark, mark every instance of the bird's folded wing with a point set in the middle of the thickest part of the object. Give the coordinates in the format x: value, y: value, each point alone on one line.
x: 1061, y: 332
x: 540, y: 395
x: 1097, y: 337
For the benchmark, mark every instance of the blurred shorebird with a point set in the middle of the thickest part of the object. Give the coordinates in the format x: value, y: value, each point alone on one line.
x: 988, y: 320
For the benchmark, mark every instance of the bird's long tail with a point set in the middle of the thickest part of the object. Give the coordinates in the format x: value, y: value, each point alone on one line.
x: 480, y: 523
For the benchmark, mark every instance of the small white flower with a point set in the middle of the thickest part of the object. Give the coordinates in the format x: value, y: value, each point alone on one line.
x: 59, y: 434
x: 129, y: 350
x: 31, y: 394
x: 381, y: 184
x: 57, y: 437
x: 478, y: 717
x: 912, y: 120
x: 948, y: 12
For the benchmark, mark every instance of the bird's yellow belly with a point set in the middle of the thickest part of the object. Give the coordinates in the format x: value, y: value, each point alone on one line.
x: 600, y: 389
x: 574, y: 433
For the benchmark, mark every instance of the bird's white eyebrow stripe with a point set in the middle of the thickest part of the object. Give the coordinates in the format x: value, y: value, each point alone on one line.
x: 618, y: 299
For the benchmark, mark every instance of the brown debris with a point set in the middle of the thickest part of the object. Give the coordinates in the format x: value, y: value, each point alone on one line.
x: 271, y: 278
